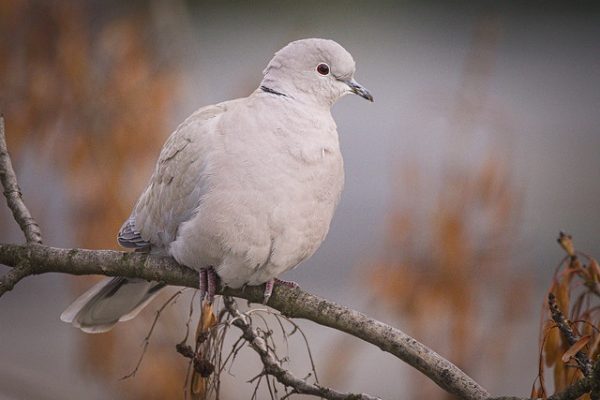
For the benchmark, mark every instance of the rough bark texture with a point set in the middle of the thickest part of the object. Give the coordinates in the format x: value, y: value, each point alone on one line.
x: 291, y: 302
x: 12, y: 192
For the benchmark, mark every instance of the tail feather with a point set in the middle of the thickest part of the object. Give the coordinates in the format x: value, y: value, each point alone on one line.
x: 108, y: 302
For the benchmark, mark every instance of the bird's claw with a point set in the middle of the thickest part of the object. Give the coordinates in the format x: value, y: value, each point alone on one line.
x: 271, y: 283
x: 208, y: 284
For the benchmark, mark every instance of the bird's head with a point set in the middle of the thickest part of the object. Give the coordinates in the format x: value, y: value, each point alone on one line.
x: 316, y: 70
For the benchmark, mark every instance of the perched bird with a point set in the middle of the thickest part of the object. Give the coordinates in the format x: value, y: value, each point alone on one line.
x: 243, y: 190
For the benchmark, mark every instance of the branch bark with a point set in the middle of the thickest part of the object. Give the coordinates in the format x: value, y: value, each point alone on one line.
x: 294, y: 303
x: 14, y: 201
x: 584, y: 363
x: 12, y: 192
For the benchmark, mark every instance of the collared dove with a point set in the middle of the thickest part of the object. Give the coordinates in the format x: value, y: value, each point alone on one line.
x: 243, y: 190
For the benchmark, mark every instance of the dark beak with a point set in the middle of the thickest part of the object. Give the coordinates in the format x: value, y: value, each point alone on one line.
x: 358, y: 89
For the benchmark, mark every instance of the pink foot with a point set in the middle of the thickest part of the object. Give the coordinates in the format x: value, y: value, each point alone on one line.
x: 271, y: 283
x: 290, y: 284
x: 208, y: 284
x: 203, y: 278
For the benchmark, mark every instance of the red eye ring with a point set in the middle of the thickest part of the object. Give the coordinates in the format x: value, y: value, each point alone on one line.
x: 323, y: 69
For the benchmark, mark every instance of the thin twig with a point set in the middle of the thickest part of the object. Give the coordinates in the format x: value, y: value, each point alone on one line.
x: 147, y: 338
x: 310, y: 356
x: 12, y: 192
x: 235, y: 349
x: 273, y: 367
x: 257, y: 385
x: 189, y: 319
x: 565, y: 328
x: 270, y: 388
x: 283, y: 334
x: 574, y: 391
x: 11, y: 278
x: 595, y: 381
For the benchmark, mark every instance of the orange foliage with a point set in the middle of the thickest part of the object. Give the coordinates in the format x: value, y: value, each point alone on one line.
x: 88, y: 83
x: 576, y: 288
x: 445, y: 276
x: 446, y: 262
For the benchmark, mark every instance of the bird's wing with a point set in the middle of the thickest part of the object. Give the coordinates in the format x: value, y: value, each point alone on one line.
x: 130, y: 237
x: 176, y: 185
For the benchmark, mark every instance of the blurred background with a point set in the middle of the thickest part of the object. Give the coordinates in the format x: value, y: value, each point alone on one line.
x: 481, y: 145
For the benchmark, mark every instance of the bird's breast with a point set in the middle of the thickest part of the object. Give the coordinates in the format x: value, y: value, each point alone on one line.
x: 271, y: 195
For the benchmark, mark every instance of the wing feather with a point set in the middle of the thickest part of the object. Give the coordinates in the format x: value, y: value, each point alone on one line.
x: 176, y: 186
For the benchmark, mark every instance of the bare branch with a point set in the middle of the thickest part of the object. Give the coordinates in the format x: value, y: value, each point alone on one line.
x: 299, y: 304
x: 294, y: 303
x: 42, y: 259
x: 10, y: 279
x: 565, y: 328
x: 595, y: 381
x: 12, y: 192
x: 273, y: 367
x: 14, y: 200
x: 575, y: 391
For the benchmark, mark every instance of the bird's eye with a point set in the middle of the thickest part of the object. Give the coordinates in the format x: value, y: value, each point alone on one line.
x: 323, y: 69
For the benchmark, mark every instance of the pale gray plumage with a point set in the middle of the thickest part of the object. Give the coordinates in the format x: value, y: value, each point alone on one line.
x: 247, y: 186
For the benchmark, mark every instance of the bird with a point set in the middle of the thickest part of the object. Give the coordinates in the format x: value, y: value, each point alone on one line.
x: 243, y: 190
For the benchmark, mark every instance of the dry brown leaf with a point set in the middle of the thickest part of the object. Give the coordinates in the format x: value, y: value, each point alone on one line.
x: 571, y: 277
x: 560, y: 378
x: 594, y: 270
x: 566, y: 242
x: 562, y: 296
x: 199, y: 384
x: 572, y: 374
x: 207, y: 317
x: 595, y: 347
x: 198, y: 387
x: 537, y: 393
x: 551, y: 344
x: 575, y: 348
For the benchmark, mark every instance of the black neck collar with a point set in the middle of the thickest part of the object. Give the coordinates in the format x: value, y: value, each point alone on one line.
x: 269, y: 90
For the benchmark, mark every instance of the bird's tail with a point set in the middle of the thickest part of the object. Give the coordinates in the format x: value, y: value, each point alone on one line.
x: 108, y: 302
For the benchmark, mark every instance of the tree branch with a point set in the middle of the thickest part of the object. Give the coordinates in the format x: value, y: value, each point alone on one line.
x: 14, y: 200
x: 573, y: 392
x: 12, y: 192
x: 564, y: 326
x: 294, y: 303
x: 11, y: 278
x: 273, y: 367
x: 595, y: 381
